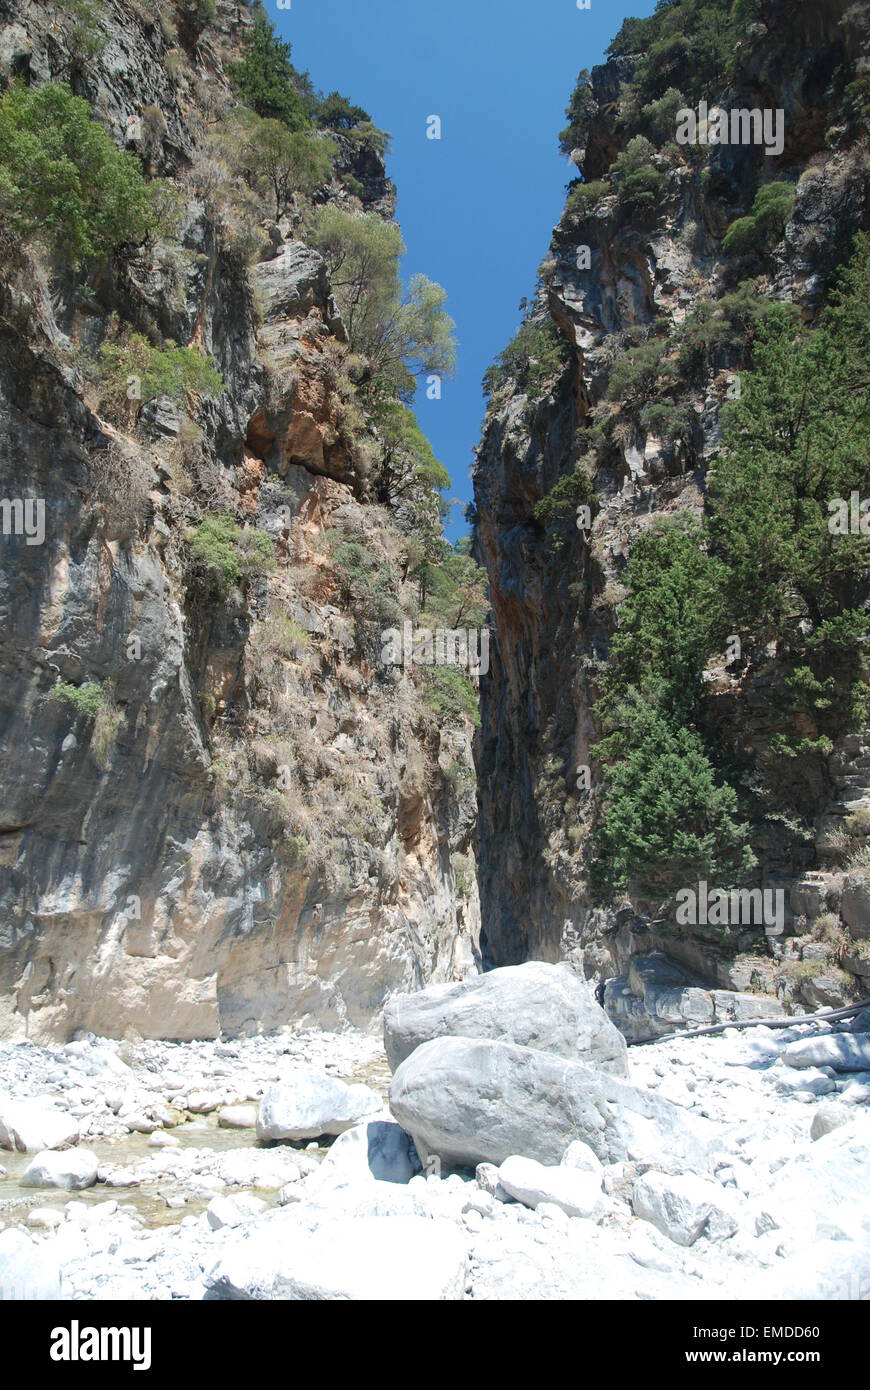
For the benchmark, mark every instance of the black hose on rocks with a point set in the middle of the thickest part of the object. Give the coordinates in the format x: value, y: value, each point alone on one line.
x: 830, y: 1016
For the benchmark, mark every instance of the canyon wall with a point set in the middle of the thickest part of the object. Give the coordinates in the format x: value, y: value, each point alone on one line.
x: 261, y: 823
x: 636, y: 260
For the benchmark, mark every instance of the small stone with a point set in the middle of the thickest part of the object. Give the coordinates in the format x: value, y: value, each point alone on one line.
x: 579, y: 1155
x: 828, y: 1116
x: 233, y: 1211
x: 238, y: 1117
x: 487, y: 1179
x: 45, y: 1218
x: 160, y: 1140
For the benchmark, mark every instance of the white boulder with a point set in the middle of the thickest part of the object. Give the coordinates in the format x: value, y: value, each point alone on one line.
x: 27, y: 1270
x: 30, y: 1127
x: 238, y: 1117
x: 71, y: 1170
x: 310, y: 1104
x: 842, y: 1051
x: 376, y: 1151
x: 233, y: 1211
x: 575, y: 1191
x: 394, y: 1258
x: 548, y: 1007
x: 684, y: 1207
x: 470, y: 1101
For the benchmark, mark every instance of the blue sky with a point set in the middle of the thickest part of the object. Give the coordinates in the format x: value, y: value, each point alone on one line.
x: 477, y: 207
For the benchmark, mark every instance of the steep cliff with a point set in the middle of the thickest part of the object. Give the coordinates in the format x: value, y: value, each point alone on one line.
x: 219, y: 810
x: 630, y: 748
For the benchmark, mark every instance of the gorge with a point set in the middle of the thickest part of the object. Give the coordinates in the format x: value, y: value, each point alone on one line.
x: 284, y: 771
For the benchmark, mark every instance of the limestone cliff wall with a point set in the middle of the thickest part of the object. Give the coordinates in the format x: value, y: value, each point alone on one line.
x: 260, y: 832
x: 554, y: 602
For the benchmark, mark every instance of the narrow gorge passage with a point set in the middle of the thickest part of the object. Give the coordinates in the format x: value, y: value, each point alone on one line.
x: 350, y: 850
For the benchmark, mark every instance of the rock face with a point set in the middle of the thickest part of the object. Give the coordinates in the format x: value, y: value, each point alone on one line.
x: 227, y: 851
x: 612, y: 278
x: 534, y: 1005
x: 473, y: 1101
x: 310, y: 1105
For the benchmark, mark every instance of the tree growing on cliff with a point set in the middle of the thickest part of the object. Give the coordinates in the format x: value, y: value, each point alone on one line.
x: 335, y: 112
x: 288, y: 162
x: 666, y: 818
x: 757, y: 234
x: 407, y: 461
x: 669, y: 620
x: 265, y: 78
x: 796, y: 450
x: 402, y: 334
x: 579, y: 113
x: 62, y: 181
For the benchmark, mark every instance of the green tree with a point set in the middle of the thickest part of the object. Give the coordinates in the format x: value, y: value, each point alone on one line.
x: 457, y: 590
x: 797, y: 440
x: 757, y: 234
x: 133, y: 371
x: 221, y: 554
x: 579, y: 113
x: 670, y: 617
x: 86, y: 39
x: 635, y: 372
x: 265, y: 78
x: 665, y: 818
x: 286, y: 161
x: 335, y: 112
x: 63, y: 182
x: 639, y: 185
x: 401, y: 335
x: 407, y: 460
x: 533, y: 358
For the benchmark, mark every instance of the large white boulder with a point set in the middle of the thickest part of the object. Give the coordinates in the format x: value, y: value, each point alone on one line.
x: 30, y: 1127
x: 27, y: 1270
x: 842, y: 1051
x: 309, y: 1104
x: 685, y: 1207
x: 73, y: 1169
x: 393, y: 1258
x: 821, y: 1193
x: 575, y: 1190
x: 537, y: 1005
x: 376, y: 1151
x: 472, y: 1101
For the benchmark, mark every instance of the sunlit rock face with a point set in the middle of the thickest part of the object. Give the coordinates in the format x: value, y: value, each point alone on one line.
x: 263, y: 832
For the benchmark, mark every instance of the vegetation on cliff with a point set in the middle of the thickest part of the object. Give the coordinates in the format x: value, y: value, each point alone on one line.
x: 722, y: 646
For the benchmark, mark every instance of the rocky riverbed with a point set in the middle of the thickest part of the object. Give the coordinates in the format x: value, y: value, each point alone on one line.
x: 272, y: 1166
